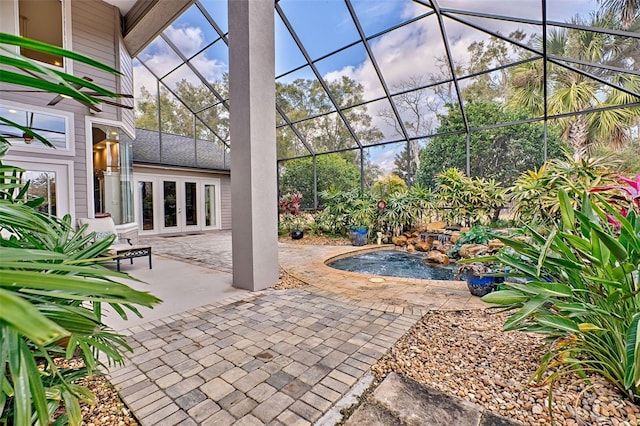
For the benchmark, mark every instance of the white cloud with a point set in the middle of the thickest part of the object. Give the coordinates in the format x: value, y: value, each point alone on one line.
x: 386, y: 157
x: 189, y: 40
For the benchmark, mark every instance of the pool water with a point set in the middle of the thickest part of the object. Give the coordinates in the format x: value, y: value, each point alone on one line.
x: 390, y: 263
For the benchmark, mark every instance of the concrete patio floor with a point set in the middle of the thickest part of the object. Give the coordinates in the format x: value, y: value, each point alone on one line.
x: 215, y: 355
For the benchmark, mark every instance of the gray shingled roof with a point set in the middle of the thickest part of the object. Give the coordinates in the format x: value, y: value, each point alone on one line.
x: 178, y: 151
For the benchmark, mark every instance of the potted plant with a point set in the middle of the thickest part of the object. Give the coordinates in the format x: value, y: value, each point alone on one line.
x: 480, y: 276
x: 292, y: 220
x: 360, y: 215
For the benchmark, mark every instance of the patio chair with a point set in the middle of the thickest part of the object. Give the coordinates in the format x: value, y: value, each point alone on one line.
x: 104, y: 226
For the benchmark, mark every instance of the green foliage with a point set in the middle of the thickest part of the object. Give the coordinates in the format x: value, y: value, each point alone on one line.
x: 345, y: 209
x: 501, y: 153
x: 583, y: 292
x: 52, y: 291
x: 405, y: 209
x: 355, y: 209
x: 569, y: 92
x: 387, y: 186
x: 465, y: 200
x: 626, y: 160
x: 477, y: 235
x: 333, y: 171
x: 535, y: 193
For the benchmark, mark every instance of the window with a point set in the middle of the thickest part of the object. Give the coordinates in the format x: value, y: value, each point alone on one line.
x: 42, y: 185
x: 42, y: 20
x: 55, y: 128
x: 112, y: 173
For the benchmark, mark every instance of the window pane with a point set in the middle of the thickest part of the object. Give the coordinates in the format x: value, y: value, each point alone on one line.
x: 190, y: 203
x: 210, y: 205
x: 170, y: 206
x: 43, y: 185
x: 50, y: 127
x: 42, y: 20
x: 146, y: 203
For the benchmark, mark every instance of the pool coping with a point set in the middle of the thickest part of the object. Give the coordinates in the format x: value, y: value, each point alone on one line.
x: 309, y: 264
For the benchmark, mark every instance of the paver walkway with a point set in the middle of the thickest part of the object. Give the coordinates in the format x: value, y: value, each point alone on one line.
x: 271, y: 357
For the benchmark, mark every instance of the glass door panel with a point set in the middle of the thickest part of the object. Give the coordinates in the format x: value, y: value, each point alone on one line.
x: 210, y: 205
x: 191, y: 203
x: 170, y: 204
x: 145, y: 189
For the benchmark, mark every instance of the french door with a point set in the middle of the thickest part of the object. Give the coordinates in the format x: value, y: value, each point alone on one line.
x: 176, y: 204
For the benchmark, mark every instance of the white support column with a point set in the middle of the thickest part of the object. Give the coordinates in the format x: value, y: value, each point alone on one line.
x: 253, y: 144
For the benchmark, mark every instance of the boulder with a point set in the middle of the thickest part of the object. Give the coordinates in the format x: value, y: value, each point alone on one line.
x: 472, y: 250
x: 399, y: 241
x: 423, y: 246
x: 437, y: 257
x: 411, y: 248
x: 421, y: 227
x: 435, y: 225
x: 495, y: 245
x: 455, y: 236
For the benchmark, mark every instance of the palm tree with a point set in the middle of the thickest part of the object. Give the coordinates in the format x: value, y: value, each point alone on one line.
x: 571, y: 92
x: 628, y: 10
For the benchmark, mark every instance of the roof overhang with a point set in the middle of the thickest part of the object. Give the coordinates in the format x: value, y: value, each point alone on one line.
x: 145, y: 19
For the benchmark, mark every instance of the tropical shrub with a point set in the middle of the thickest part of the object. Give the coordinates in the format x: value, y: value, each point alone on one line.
x: 535, y: 193
x: 467, y: 201
x: 583, y: 291
x: 52, y: 292
x: 290, y: 214
x: 404, y: 209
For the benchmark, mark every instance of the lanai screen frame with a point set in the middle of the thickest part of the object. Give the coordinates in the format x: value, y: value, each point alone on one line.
x: 432, y: 8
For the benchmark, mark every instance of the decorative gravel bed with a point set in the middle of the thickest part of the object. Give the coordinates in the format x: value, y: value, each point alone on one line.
x: 468, y: 355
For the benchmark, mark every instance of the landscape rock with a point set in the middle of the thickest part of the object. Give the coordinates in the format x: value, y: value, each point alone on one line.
x: 411, y: 248
x: 414, y: 404
x: 421, y: 227
x: 433, y: 226
x: 472, y: 250
x: 435, y: 256
x: 400, y: 241
x: 455, y: 236
x: 495, y: 245
x: 422, y: 246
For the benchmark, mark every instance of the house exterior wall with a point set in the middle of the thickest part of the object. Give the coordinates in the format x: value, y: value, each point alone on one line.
x: 92, y: 28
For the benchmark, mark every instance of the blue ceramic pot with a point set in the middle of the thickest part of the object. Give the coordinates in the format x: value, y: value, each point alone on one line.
x: 296, y: 235
x: 480, y: 285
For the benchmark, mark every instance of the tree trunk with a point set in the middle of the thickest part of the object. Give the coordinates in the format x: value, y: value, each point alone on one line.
x: 579, y: 136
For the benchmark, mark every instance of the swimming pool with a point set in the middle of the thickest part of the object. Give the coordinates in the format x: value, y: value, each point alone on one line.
x: 391, y: 263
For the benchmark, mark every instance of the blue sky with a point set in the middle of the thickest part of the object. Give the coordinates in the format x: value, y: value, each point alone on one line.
x: 326, y: 25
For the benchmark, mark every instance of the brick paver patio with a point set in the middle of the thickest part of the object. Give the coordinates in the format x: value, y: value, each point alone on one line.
x: 278, y: 357
x: 271, y: 357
